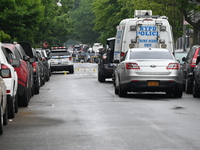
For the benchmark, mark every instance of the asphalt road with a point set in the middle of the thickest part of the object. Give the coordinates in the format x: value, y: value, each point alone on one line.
x: 76, y: 112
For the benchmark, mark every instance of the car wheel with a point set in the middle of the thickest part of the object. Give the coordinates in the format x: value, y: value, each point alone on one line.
x: 116, y: 90
x: 37, y: 86
x: 24, y: 99
x: 11, y: 107
x: 47, y: 77
x: 16, y: 103
x: 5, y: 116
x: 178, y: 94
x: 101, y: 78
x: 188, y: 88
x: 196, y: 90
x: 121, y: 92
x: 71, y: 71
x: 1, y: 120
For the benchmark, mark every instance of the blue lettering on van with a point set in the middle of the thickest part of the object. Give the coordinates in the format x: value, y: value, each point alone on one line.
x: 119, y: 34
x: 143, y: 41
x: 148, y: 28
x: 153, y: 41
x: 147, y: 45
x: 147, y: 33
x: 118, y: 41
x: 148, y: 41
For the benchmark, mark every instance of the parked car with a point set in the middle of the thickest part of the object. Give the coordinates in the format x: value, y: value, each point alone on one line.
x: 3, y: 105
x: 61, y: 60
x: 180, y: 55
x: 196, y: 82
x: 105, y: 63
x: 34, y: 61
x: 188, y: 68
x: 10, y: 78
x: 45, y: 60
x: 148, y: 70
x: 24, y: 72
x: 42, y: 68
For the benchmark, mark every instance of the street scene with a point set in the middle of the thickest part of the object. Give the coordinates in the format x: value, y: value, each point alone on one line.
x: 99, y: 74
x: 75, y: 111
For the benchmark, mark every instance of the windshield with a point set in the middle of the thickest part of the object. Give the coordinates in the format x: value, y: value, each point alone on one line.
x: 150, y: 55
x: 61, y: 55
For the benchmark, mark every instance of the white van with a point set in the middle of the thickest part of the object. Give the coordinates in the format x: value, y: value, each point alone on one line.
x: 144, y: 30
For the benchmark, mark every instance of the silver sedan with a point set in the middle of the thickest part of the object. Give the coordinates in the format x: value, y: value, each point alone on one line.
x: 148, y: 70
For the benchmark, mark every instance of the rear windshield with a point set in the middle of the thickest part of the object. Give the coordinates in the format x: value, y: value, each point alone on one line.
x: 60, y: 55
x: 150, y: 55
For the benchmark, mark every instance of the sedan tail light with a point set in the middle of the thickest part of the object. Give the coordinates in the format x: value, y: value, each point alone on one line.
x: 132, y: 66
x: 34, y: 65
x: 5, y: 71
x: 173, y: 66
x: 194, y: 59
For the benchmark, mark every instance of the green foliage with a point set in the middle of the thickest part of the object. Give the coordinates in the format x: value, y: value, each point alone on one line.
x: 108, y: 14
x: 36, y: 21
x: 56, y: 25
x: 20, y: 18
x: 83, y: 17
x: 3, y: 36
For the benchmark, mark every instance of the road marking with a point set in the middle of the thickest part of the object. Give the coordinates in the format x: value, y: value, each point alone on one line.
x: 83, y: 69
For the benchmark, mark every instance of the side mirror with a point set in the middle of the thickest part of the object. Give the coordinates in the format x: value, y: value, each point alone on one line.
x: 26, y: 58
x: 32, y: 60
x: 15, y: 62
x: 183, y: 59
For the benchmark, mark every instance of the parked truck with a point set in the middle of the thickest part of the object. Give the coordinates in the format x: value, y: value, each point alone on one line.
x: 105, y: 63
x: 144, y: 30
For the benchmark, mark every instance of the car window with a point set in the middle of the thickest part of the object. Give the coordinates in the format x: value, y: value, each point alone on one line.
x: 60, y: 54
x: 150, y: 55
x: 190, y: 53
x: 17, y: 54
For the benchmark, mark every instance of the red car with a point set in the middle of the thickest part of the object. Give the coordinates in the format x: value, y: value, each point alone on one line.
x: 24, y: 72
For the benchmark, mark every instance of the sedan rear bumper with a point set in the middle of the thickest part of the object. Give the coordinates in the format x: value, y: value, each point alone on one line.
x: 145, y: 86
x: 61, y: 68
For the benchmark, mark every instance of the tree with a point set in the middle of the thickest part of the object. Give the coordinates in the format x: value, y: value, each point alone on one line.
x: 20, y: 18
x: 56, y: 25
x: 108, y: 14
x: 191, y: 12
x: 83, y: 17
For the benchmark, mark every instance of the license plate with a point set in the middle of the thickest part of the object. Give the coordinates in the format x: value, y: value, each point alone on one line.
x: 153, y: 83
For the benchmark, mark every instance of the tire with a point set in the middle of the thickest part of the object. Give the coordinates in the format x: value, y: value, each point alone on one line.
x: 24, y: 99
x: 188, y: 88
x: 5, y: 116
x: 47, y: 77
x: 101, y: 78
x: 71, y: 71
x: 16, y: 104
x: 37, y: 86
x: 121, y: 92
x: 196, y: 90
x: 116, y: 90
x: 178, y: 94
x: 11, y: 107
x: 1, y: 120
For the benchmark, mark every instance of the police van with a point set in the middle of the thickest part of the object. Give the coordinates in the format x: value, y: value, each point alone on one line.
x: 144, y: 30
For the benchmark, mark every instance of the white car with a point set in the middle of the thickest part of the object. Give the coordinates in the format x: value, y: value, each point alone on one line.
x: 10, y: 78
x: 61, y: 60
x: 3, y: 105
x: 149, y: 70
